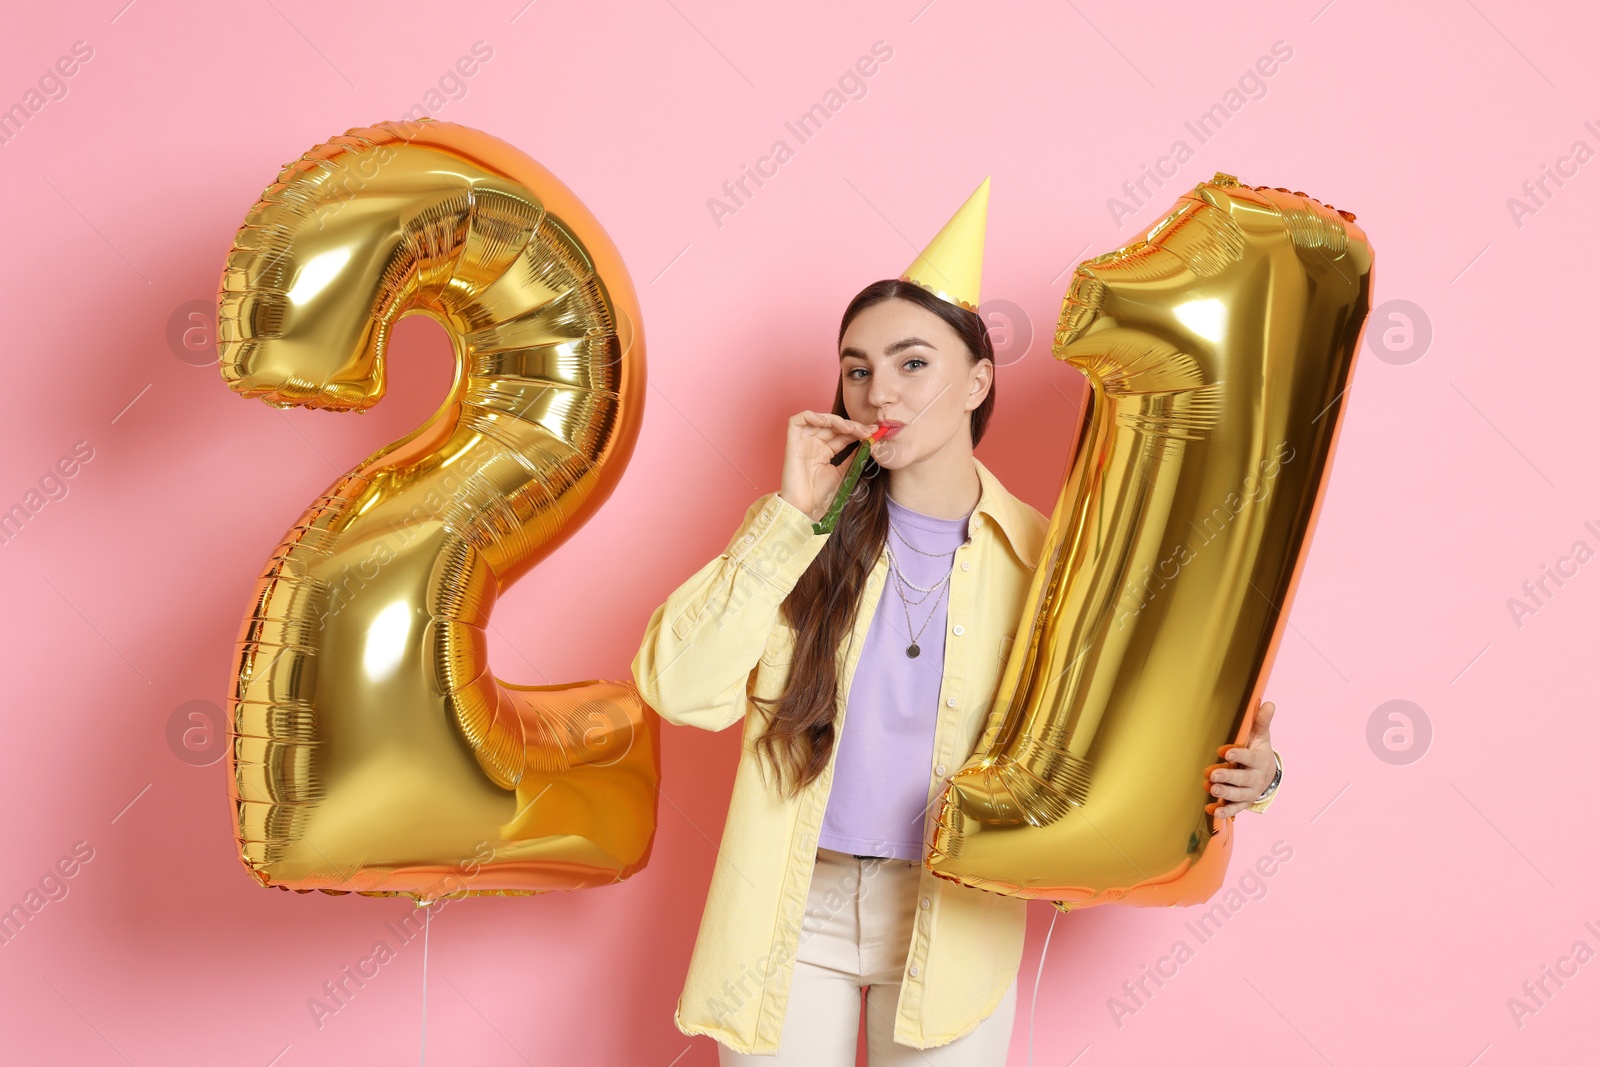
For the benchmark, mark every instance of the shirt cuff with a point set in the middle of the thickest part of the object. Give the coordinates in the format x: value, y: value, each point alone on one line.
x: 1265, y: 802
x: 777, y: 544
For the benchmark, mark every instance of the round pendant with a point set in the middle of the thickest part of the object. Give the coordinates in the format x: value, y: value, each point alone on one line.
x: 913, y: 651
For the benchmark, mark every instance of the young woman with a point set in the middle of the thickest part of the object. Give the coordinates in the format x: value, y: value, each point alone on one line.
x: 863, y: 662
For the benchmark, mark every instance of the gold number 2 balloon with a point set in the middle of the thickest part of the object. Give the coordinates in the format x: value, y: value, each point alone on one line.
x: 1218, y: 350
x: 372, y: 749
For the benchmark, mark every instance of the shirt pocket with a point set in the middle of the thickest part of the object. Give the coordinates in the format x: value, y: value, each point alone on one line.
x: 772, y: 672
x: 779, y: 651
x: 691, y: 614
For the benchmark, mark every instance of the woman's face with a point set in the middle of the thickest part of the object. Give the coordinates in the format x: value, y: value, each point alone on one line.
x: 902, y: 363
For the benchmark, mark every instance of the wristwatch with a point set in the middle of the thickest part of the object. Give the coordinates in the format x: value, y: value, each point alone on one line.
x: 1261, y: 802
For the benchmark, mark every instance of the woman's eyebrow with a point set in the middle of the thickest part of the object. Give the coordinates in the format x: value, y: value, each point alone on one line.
x: 898, y: 346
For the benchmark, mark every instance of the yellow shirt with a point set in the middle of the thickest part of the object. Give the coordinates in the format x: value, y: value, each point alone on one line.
x: 719, y: 638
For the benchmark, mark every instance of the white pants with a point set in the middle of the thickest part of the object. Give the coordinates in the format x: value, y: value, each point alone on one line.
x: 855, y: 940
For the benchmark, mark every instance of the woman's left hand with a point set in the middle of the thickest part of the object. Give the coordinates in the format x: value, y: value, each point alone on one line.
x: 1240, y: 785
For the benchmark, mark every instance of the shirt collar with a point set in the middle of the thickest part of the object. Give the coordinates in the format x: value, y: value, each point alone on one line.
x: 1015, y: 518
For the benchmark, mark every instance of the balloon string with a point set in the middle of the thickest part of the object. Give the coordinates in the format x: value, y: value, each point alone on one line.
x: 1033, y: 1009
x: 426, y: 913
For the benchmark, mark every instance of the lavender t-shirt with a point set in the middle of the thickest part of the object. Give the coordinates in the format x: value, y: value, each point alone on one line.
x: 879, y: 794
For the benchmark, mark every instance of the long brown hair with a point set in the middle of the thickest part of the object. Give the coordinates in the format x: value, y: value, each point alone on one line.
x: 822, y: 607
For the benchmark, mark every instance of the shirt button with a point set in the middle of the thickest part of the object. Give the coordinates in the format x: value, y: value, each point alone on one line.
x: 913, y: 970
x: 956, y: 629
x: 950, y: 703
x: 924, y: 902
x: 965, y: 565
x: 940, y: 771
x: 748, y: 538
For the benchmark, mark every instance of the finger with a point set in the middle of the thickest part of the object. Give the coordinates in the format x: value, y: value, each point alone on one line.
x: 831, y: 441
x: 838, y: 423
x: 1234, y: 792
x: 1264, y: 716
x: 814, y: 422
x: 830, y: 432
x: 1223, y: 809
x: 1248, y: 757
x: 1230, y: 776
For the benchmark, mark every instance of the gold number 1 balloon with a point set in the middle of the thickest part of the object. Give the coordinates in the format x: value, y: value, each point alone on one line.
x: 372, y: 749
x: 1218, y: 350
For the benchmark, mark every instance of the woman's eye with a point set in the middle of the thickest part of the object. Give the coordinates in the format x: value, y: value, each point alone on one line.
x: 914, y: 363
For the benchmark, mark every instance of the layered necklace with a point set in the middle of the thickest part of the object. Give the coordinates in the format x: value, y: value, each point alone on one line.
x: 913, y: 650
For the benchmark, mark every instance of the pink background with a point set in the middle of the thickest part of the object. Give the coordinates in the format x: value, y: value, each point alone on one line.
x: 1420, y: 895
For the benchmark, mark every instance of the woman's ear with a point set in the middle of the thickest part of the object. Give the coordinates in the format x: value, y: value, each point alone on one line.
x: 982, y: 377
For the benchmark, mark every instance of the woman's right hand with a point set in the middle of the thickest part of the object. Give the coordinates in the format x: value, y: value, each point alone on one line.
x: 810, y: 479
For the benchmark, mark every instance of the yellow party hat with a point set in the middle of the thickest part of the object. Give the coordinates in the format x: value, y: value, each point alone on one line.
x: 951, y: 267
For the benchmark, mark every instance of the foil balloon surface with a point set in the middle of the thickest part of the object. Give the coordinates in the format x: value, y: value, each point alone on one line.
x: 372, y: 749
x: 1218, y: 351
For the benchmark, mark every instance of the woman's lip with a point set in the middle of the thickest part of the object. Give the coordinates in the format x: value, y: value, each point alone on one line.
x: 894, y: 428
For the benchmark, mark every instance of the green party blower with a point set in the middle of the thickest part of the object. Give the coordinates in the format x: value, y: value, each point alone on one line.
x: 862, y: 450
